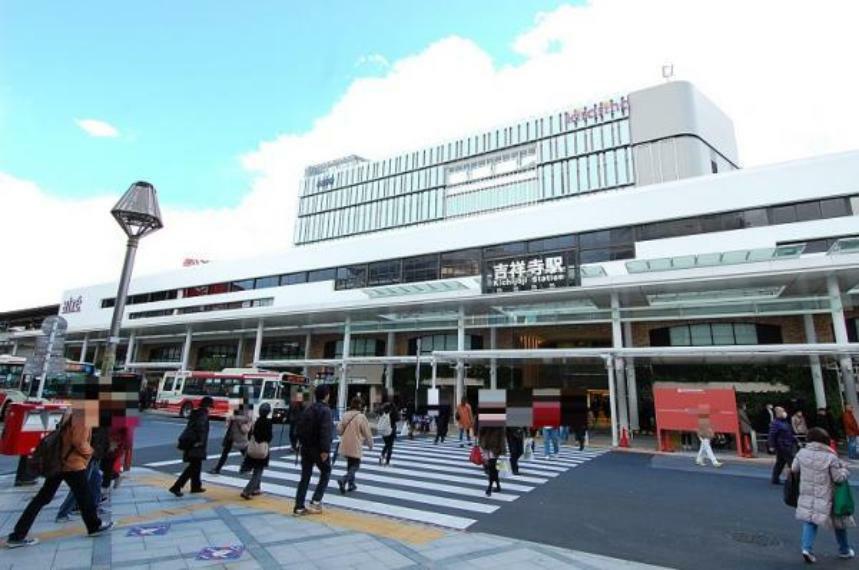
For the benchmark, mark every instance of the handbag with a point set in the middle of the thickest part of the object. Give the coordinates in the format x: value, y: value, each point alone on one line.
x: 842, y: 500
x: 476, y: 456
x: 791, y: 489
x: 503, y: 467
x: 257, y: 449
x: 528, y: 455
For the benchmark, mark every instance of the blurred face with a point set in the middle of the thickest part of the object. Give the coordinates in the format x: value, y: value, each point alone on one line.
x: 89, y: 409
x: 780, y: 413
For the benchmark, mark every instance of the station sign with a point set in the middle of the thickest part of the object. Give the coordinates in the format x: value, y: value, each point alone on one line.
x: 527, y: 273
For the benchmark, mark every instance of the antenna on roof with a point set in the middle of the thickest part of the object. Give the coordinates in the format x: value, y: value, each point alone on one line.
x: 668, y: 71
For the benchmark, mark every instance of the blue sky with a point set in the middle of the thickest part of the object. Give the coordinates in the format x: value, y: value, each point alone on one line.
x: 193, y: 85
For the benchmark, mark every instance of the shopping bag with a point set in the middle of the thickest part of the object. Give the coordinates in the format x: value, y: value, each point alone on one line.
x: 528, y: 455
x: 404, y: 430
x: 476, y: 456
x: 791, y: 489
x: 842, y: 500
x: 503, y: 468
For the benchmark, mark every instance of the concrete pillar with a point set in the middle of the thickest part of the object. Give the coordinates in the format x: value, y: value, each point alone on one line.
x: 258, y: 343
x: 389, y: 368
x: 342, y: 390
x: 836, y: 308
x: 14, y: 348
x: 460, y: 364
x: 129, y: 353
x: 240, y: 348
x: 814, y: 362
x: 186, y: 349
x: 307, y: 340
x: 85, y: 347
x: 631, y: 384
x: 617, y: 342
x: 95, y: 354
x: 493, y: 365
x: 612, y: 397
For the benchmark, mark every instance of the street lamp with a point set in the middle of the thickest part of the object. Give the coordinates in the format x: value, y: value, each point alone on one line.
x: 138, y: 215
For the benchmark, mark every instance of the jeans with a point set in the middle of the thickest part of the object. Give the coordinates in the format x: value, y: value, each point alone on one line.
x: 706, y: 448
x: 192, y: 472
x: 228, y: 447
x: 308, y: 460
x: 388, y: 448
x: 76, y: 480
x: 93, y: 477
x: 809, y: 533
x: 550, y: 435
x: 466, y: 432
x: 564, y: 433
x: 782, y: 459
x: 352, y: 466
x: 255, y: 480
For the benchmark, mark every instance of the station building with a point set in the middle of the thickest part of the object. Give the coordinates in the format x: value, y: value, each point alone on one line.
x: 599, y: 248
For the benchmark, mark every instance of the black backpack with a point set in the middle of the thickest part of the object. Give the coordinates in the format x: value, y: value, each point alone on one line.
x: 47, y: 459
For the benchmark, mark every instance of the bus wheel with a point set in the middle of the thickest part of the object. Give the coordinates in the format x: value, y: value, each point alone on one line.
x: 185, y: 410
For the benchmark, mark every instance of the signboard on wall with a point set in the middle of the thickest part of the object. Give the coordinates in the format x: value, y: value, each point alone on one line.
x: 526, y: 273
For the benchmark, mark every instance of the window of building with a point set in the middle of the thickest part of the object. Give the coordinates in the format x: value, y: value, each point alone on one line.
x: 266, y: 282
x: 351, y: 277
x: 137, y: 299
x: 834, y: 208
x: 552, y: 244
x: 107, y: 303
x: 460, y: 263
x: 166, y: 353
x: 716, y: 334
x: 281, y: 349
x: 293, y: 278
x: 321, y: 275
x: 443, y: 341
x: 216, y: 357
x: 384, y: 272
x: 783, y: 214
x: 243, y: 285
x: 163, y: 295
x: 421, y: 268
x: 714, y: 168
x: 358, y: 346
x: 505, y: 250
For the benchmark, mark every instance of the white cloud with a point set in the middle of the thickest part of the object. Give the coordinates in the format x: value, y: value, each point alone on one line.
x: 778, y: 68
x: 96, y: 128
x: 374, y: 59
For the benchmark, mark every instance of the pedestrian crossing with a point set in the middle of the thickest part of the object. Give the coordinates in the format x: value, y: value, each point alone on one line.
x: 425, y: 482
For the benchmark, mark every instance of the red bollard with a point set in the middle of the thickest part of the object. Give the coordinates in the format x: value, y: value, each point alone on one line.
x: 746, y: 450
x: 624, y: 438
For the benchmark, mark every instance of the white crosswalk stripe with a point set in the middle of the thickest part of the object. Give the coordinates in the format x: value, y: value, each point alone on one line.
x: 427, y: 483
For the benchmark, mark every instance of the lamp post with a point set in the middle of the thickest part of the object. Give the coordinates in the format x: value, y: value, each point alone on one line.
x: 138, y: 215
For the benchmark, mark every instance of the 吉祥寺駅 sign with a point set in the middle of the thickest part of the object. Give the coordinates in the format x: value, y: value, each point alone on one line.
x: 525, y: 273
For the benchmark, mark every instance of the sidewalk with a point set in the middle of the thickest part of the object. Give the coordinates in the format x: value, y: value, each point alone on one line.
x: 270, y: 536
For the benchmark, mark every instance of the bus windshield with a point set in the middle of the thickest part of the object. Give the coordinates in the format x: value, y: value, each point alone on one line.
x: 10, y: 376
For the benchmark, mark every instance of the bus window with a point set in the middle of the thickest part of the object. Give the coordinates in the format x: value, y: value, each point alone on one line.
x: 269, y: 391
x: 193, y: 386
x: 168, y: 383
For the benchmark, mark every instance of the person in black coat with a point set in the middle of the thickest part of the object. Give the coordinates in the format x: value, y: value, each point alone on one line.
x: 315, y: 434
x: 442, y: 423
x: 193, y: 444
x: 516, y: 446
x: 261, y: 435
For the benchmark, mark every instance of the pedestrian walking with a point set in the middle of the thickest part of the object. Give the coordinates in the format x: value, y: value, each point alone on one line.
x: 706, y: 435
x: 782, y: 441
x: 387, y: 428
x: 257, y: 451
x: 295, y: 411
x: 442, y: 422
x: 819, y: 470
x: 99, y: 443
x: 410, y: 419
x: 799, y: 425
x: 516, y: 446
x: 465, y: 420
x: 492, y: 447
x: 745, y: 429
x: 354, y: 431
x: 550, y: 440
x: 851, y: 432
x: 235, y: 436
x: 192, y: 442
x: 314, y: 439
x: 580, y: 430
x: 75, y: 454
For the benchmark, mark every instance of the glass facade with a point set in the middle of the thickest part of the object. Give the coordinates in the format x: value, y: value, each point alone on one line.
x: 542, y: 158
x: 716, y: 334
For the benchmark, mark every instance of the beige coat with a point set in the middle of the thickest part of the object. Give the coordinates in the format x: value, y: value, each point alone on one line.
x: 354, y: 430
x: 819, y: 469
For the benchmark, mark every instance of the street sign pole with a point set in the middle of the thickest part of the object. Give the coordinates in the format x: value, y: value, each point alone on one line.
x: 44, y: 375
x: 417, y: 372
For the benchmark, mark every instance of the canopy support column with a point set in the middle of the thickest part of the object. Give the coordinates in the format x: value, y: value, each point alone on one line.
x: 622, y: 407
x: 836, y: 307
x: 84, y: 348
x: 186, y: 349
x: 493, y: 365
x: 814, y: 363
x: 631, y: 384
x: 342, y: 389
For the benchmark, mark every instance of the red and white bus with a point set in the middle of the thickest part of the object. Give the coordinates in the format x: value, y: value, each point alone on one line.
x: 180, y: 392
x: 11, y: 373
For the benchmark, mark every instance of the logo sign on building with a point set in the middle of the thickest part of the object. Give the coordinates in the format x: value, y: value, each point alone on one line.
x: 72, y: 305
x: 327, y: 181
x: 604, y: 110
x: 526, y: 273
x: 221, y: 552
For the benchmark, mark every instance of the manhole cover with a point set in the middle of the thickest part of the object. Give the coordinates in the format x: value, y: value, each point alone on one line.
x: 754, y: 538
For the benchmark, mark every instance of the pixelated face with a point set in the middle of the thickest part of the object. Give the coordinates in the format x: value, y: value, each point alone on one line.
x: 118, y: 400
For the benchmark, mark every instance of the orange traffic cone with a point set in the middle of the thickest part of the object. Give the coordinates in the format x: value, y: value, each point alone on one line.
x: 624, y: 438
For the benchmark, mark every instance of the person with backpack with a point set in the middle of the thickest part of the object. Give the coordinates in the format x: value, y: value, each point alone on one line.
x: 354, y: 431
x: 193, y: 442
x: 442, y: 422
x: 820, y: 470
x: 258, y: 450
x: 387, y: 428
x: 63, y: 455
x: 315, y: 434
x: 236, y: 435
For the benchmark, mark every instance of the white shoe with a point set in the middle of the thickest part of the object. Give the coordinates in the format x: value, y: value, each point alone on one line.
x: 809, y: 557
x: 700, y: 462
x: 717, y: 464
x: 847, y: 555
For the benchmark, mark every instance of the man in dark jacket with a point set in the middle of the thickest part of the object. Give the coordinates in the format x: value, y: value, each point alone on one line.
x: 193, y: 444
x: 782, y: 440
x: 315, y: 432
